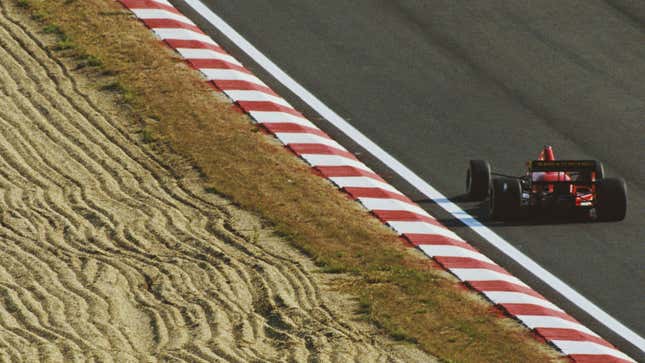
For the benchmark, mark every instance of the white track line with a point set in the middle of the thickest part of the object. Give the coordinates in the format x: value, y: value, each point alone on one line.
x: 323, y: 110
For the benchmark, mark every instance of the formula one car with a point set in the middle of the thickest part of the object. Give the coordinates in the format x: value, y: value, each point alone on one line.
x: 550, y: 187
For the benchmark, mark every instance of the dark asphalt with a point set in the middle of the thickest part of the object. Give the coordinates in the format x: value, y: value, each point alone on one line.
x: 436, y: 83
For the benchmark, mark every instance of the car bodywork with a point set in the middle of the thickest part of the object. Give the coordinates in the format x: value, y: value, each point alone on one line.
x: 549, y: 186
x: 559, y: 184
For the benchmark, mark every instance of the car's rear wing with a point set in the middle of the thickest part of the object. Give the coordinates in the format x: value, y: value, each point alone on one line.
x: 562, y: 165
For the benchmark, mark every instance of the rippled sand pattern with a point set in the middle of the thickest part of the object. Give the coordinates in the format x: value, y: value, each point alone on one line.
x: 107, y: 254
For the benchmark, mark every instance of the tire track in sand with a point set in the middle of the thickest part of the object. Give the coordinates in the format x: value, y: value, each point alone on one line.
x: 107, y: 254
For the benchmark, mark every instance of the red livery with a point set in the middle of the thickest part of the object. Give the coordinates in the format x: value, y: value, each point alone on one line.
x: 550, y: 186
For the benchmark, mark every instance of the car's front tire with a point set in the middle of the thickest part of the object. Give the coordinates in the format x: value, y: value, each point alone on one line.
x: 611, y: 203
x: 478, y: 179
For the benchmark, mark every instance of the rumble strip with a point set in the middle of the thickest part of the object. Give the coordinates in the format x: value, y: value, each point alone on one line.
x: 396, y: 210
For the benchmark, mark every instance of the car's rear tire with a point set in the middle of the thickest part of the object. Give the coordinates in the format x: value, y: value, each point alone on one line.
x: 611, y: 204
x: 478, y: 179
x: 599, y: 169
x: 505, y: 199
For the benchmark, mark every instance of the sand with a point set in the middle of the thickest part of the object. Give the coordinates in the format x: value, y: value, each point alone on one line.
x: 112, y: 250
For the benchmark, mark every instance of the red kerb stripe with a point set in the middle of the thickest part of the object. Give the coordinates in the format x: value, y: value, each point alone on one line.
x: 318, y: 149
x: 216, y: 64
x: 467, y: 262
x: 530, y: 309
x: 170, y: 23
x: 360, y: 192
x: 597, y: 358
x: 435, y: 239
x: 268, y: 106
x: 232, y: 85
x: 503, y: 286
x: 193, y: 44
x: 340, y: 171
x: 276, y: 127
x: 148, y: 4
x: 403, y: 215
x: 570, y: 334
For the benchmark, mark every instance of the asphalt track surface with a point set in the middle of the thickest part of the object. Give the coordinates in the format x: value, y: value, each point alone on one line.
x: 437, y: 83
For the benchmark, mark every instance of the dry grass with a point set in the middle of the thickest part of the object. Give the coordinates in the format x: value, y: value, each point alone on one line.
x: 397, y: 289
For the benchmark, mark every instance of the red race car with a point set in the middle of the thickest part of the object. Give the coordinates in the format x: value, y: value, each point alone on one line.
x: 550, y: 187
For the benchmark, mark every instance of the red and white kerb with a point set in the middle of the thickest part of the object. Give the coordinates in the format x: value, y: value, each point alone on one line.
x: 396, y: 210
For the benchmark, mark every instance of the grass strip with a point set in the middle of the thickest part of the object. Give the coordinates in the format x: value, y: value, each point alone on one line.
x: 397, y: 289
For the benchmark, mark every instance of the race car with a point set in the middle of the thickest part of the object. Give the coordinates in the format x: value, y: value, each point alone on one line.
x: 550, y: 187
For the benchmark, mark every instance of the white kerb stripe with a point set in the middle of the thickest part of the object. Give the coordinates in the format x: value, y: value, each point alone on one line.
x: 265, y: 117
x: 452, y: 251
x: 332, y: 160
x: 305, y: 138
x: 512, y: 297
x: 160, y: 14
x: 182, y: 34
x: 362, y: 182
x: 213, y: 74
x: 165, y: 2
x: 543, y: 321
x: 417, y: 227
x: 390, y: 204
x: 483, y: 274
x: 257, y: 96
x: 195, y: 53
x: 586, y: 347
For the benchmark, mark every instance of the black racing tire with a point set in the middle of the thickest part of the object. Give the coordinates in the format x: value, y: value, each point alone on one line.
x: 611, y: 203
x: 478, y: 179
x: 505, y: 199
x: 599, y: 169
